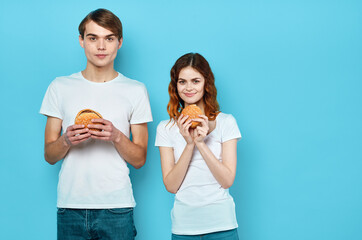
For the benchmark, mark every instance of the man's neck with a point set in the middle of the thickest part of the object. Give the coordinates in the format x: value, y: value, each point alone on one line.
x: 99, y: 74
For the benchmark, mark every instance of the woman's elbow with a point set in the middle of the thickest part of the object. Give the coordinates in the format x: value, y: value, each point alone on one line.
x: 170, y: 189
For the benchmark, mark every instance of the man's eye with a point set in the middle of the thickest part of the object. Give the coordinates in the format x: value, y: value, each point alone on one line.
x: 92, y: 38
x: 110, y: 39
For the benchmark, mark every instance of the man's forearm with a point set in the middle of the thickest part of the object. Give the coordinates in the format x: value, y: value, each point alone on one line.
x: 56, y: 151
x: 131, y: 152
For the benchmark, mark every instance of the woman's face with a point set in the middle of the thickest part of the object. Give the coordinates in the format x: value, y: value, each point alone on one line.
x: 190, y: 86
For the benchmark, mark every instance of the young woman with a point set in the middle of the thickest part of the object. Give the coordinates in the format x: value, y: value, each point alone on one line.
x: 198, y: 164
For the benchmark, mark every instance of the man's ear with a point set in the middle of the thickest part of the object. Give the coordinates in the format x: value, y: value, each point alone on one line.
x: 81, y: 41
x: 120, y: 43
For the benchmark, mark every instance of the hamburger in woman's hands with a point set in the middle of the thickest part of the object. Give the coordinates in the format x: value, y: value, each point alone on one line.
x: 193, y: 112
x: 85, y: 116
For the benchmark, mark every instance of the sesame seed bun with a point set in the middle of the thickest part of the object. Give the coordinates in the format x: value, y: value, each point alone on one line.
x: 85, y: 116
x: 193, y: 112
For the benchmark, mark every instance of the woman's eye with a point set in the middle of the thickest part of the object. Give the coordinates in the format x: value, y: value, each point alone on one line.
x: 196, y: 81
x: 181, y: 82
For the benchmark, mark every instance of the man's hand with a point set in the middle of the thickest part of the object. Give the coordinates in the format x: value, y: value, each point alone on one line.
x: 76, y: 134
x: 108, y: 131
x: 56, y: 146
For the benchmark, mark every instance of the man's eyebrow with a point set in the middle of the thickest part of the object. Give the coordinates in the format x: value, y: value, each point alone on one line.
x: 95, y: 35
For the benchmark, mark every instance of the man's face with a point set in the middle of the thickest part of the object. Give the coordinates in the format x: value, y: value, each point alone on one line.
x: 100, y: 45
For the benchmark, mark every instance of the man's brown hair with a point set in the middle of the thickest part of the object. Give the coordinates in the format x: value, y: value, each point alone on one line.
x: 105, y: 19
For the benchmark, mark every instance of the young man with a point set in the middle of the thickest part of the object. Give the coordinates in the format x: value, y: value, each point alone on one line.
x: 95, y: 198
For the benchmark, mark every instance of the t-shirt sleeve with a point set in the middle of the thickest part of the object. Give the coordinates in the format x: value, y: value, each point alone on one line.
x: 163, y: 138
x: 230, y: 129
x: 142, y: 109
x: 51, y: 106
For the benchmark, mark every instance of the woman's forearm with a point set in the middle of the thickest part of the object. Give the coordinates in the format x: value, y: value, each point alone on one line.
x: 175, y: 177
x: 223, y: 175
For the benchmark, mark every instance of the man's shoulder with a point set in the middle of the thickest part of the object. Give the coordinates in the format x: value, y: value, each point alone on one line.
x: 131, y: 82
x: 66, y: 79
x: 69, y: 77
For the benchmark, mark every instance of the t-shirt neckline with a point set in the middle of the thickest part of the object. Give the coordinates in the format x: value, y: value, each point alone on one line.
x: 117, y: 78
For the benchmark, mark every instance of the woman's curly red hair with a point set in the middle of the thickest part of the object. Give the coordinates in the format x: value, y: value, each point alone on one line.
x: 199, y: 63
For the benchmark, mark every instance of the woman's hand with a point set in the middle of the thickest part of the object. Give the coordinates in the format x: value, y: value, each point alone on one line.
x: 184, y: 123
x: 200, y: 132
x: 108, y: 131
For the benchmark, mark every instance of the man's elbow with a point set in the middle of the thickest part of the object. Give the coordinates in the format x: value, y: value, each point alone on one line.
x: 49, y: 160
x: 140, y: 163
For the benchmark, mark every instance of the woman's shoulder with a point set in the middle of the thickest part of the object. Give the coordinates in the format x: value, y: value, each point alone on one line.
x: 166, y: 125
x: 224, y: 116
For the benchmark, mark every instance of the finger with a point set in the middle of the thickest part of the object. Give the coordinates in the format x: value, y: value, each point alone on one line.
x: 188, y: 128
x: 181, y: 124
x: 78, y: 138
x: 204, y: 117
x: 202, y: 134
x: 101, y: 138
x: 185, y: 127
x: 187, y: 122
x: 76, y: 132
x: 75, y: 126
x: 100, y: 134
x: 79, y: 141
x: 182, y: 119
x: 100, y: 120
x: 200, y: 120
x: 202, y: 128
x: 204, y: 123
x: 97, y: 126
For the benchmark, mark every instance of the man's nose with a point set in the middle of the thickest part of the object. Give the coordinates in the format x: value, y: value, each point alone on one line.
x: 101, y: 44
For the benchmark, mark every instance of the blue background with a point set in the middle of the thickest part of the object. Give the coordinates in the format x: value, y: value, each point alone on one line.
x: 289, y: 71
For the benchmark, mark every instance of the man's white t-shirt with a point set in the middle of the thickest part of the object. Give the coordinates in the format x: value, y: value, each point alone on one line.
x: 93, y: 174
x: 201, y: 204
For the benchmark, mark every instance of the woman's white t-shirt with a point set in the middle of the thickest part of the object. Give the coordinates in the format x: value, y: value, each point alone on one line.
x: 201, y: 204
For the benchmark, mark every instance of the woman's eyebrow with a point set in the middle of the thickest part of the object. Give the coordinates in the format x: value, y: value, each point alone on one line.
x: 197, y: 78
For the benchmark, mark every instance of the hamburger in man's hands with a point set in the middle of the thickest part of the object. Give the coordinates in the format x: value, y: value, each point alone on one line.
x: 193, y: 112
x: 85, y: 116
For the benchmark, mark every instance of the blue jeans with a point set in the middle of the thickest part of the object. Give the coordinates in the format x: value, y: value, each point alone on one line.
x: 223, y: 235
x: 91, y: 224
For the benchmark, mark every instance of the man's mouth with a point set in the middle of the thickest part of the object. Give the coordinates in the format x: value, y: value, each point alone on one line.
x: 101, y: 56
